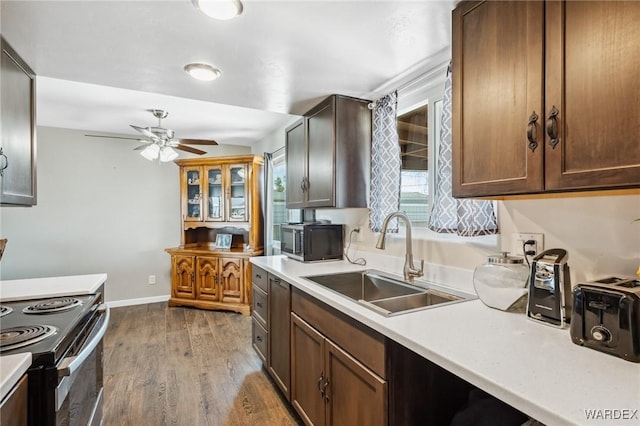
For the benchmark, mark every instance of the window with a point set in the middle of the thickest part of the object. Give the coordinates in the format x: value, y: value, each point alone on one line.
x: 277, y: 213
x: 414, y: 179
x: 419, y: 113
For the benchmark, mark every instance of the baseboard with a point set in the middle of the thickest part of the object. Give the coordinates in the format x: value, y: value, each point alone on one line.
x: 140, y: 301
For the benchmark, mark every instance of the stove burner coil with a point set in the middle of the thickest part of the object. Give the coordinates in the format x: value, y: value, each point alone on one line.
x: 59, y: 304
x: 5, y: 310
x: 17, y: 337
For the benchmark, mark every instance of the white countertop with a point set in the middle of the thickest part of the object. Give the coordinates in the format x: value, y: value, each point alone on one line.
x: 33, y: 288
x: 12, y: 367
x: 531, y: 366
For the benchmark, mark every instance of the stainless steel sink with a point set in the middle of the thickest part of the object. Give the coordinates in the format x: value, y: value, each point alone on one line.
x: 386, y: 294
x: 365, y: 285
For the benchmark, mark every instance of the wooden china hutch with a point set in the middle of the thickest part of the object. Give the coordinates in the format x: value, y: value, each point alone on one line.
x: 220, y: 200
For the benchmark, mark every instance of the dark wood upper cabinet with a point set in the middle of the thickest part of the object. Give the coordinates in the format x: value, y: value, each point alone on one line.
x: 18, y: 124
x: 545, y: 97
x: 328, y: 155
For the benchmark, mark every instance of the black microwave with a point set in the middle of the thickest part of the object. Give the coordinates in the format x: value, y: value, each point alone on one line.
x: 312, y: 242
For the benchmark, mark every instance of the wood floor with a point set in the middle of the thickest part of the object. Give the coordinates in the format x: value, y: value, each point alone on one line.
x: 182, y: 366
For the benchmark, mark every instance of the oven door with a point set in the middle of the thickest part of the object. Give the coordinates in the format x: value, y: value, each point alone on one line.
x: 78, y: 396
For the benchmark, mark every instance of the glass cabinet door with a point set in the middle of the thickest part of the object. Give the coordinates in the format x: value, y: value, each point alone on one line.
x: 215, y: 194
x: 193, y: 195
x: 237, y: 209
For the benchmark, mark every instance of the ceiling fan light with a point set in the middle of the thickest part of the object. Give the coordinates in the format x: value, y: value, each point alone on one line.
x: 151, y: 152
x: 168, y: 154
x: 219, y: 9
x: 204, y: 72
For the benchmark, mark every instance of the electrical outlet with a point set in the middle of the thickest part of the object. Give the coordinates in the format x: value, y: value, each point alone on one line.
x: 517, y: 239
x: 152, y: 279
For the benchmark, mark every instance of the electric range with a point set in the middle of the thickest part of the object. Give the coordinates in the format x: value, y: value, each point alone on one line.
x: 64, y: 335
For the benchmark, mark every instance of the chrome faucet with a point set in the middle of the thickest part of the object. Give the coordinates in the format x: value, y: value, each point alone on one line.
x: 409, y: 270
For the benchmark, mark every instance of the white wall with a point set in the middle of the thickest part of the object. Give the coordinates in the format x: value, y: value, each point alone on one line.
x: 101, y: 208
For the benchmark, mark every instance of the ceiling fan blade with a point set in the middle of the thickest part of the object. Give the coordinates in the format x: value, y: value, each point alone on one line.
x: 113, y: 137
x: 143, y: 146
x: 189, y: 149
x: 198, y: 141
x: 145, y: 132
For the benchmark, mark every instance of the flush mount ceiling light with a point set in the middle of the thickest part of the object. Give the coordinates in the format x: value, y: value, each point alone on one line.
x: 204, y: 72
x: 219, y: 9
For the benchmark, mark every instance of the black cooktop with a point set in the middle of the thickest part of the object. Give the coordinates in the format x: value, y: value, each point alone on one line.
x: 67, y: 323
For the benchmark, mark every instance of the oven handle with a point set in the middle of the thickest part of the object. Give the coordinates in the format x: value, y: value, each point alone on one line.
x: 71, y: 364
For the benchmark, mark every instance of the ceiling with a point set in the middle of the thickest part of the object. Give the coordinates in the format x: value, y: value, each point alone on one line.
x: 102, y: 65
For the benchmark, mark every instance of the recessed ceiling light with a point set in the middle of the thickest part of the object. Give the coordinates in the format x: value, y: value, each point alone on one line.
x: 219, y: 9
x: 203, y: 72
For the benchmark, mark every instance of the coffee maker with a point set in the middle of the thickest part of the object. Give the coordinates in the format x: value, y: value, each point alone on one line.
x: 550, y: 298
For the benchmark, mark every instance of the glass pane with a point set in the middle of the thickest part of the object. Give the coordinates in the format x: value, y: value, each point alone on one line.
x: 214, y: 177
x: 413, y: 138
x: 193, y: 193
x: 237, y: 196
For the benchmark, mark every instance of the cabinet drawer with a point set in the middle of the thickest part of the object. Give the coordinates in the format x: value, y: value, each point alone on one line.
x: 259, y: 340
x: 259, y: 278
x: 260, y: 306
x: 363, y: 343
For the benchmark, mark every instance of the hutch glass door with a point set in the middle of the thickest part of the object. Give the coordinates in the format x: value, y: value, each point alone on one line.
x: 237, y: 193
x: 215, y: 194
x: 194, y: 195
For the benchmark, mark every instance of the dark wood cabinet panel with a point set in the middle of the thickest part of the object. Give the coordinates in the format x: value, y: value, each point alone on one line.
x: 259, y: 309
x: 307, y: 366
x: 14, y: 407
x: 321, y: 154
x: 581, y: 59
x: 593, y: 64
x: 355, y: 395
x: 260, y: 342
x: 279, y: 312
x: 331, y: 384
x: 328, y: 155
x: 18, y: 129
x: 497, y: 87
x: 296, y: 158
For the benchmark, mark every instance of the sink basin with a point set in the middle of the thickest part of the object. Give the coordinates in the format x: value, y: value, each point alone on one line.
x: 364, y: 285
x: 413, y: 302
x: 386, y: 294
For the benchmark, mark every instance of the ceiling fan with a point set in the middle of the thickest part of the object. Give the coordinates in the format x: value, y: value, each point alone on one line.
x: 160, y: 142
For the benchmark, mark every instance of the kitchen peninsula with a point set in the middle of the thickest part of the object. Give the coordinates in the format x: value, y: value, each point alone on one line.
x: 530, y: 366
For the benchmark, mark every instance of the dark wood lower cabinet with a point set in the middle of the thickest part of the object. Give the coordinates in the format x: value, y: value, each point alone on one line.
x: 307, y: 366
x: 279, y: 308
x: 354, y: 395
x: 329, y: 386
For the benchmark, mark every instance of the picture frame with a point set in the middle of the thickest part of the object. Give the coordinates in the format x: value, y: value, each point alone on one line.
x: 223, y: 241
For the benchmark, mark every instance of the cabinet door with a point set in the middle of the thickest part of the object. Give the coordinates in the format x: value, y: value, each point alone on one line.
x: 355, y: 395
x: 296, y: 153
x: 321, y: 154
x: 237, y: 187
x: 232, y: 280
x: 592, y: 69
x: 192, y: 194
x: 183, y: 277
x: 497, y: 98
x: 207, y: 286
x: 215, y: 194
x: 307, y: 371
x: 18, y: 143
x: 279, y: 332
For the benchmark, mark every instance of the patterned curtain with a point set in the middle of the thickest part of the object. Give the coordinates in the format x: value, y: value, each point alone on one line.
x: 466, y: 218
x: 385, y: 164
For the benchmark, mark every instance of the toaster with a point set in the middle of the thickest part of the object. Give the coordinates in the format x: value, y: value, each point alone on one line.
x: 606, y: 316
